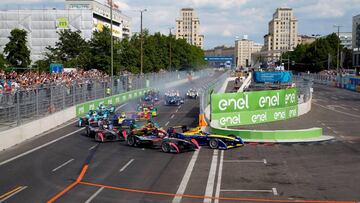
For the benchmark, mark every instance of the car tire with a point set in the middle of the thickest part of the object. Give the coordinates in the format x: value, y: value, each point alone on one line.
x: 88, y: 132
x: 131, y: 140
x: 213, y: 143
x: 165, y: 147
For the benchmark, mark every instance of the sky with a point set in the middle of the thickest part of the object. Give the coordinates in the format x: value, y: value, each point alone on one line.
x: 222, y: 21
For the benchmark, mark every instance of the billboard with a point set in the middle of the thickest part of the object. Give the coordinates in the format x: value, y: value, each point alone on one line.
x: 56, y: 68
x: 62, y: 23
x: 233, y: 109
x: 283, y: 76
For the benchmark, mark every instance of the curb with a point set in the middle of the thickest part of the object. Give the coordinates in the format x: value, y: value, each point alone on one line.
x: 322, y: 138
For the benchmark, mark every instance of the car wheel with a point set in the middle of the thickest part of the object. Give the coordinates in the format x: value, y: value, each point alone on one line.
x: 165, y: 147
x: 130, y: 140
x: 213, y: 143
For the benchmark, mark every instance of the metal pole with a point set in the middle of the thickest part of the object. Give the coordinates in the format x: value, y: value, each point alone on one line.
x: 141, y: 43
x: 111, y: 43
x: 338, y: 47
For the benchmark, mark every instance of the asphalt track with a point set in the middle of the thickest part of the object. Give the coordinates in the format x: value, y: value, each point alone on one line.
x: 326, y: 172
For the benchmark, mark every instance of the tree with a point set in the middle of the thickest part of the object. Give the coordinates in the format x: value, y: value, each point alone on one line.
x: 99, y: 46
x: 16, y: 51
x: 71, y: 50
x: 2, y: 62
x: 314, y: 57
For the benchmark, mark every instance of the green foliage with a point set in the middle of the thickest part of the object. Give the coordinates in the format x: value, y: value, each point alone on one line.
x: 70, y: 50
x: 2, y: 62
x: 314, y: 57
x: 16, y: 51
x: 73, y: 51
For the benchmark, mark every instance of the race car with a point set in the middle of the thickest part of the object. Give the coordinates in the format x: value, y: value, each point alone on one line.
x: 173, y: 100
x: 83, y: 121
x: 151, y: 96
x: 153, y: 137
x: 104, y: 131
x: 206, y: 139
x: 192, y: 94
x: 150, y: 107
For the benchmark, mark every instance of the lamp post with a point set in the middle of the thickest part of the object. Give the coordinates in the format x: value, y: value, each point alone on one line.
x: 170, y: 38
x: 338, y: 47
x: 111, y: 38
x: 141, y: 41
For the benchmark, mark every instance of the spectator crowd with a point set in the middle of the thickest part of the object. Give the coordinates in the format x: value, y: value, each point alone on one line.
x: 13, y: 81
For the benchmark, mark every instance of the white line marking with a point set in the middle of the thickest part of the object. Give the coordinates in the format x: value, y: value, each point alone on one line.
x: 218, y: 185
x: 172, y: 116
x: 265, y: 191
x: 211, y: 179
x: 328, y: 127
x: 94, y: 195
x: 91, y: 148
x: 179, y: 107
x: 122, y: 105
x: 176, y: 110
x: 62, y: 165
x: 348, y: 114
x: 167, y: 123
x: 39, y: 147
x: 143, y: 149
x: 186, y: 177
x: 246, y: 161
x: 7, y: 197
x: 126, y: 165
x: 274, y: 191
x: 355, y: 109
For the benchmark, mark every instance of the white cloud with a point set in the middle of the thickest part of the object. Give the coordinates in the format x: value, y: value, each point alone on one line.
x: 225, y: 4
x: 327, y: 9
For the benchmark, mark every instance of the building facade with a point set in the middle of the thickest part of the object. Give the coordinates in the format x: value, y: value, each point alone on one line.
x: 356, y: 43
x: 244, y: 52
x: 42, y: 25
x: 188, y: 27
x: 282, y: 33
x: 346, y: 39
x: 305, y: 39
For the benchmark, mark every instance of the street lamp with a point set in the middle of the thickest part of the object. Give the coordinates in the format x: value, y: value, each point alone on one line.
x: 338, y: 48
x: 111, y: 38
x: 141, y: 41
x: 170, y: 38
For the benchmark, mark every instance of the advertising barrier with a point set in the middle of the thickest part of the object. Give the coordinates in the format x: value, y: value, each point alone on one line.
x: 233, y: 109
x: 283, y: 76
x: 114, y: 100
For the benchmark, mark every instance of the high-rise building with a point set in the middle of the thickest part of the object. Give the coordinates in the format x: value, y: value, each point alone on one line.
x: 244, y: 51
x: 42, y: 25
x: 346, y: 39
x: 356, y: 42
x: 188, y: 27
x: 282, y: 34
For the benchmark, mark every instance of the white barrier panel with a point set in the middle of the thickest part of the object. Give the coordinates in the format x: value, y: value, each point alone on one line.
x: 29, y: 130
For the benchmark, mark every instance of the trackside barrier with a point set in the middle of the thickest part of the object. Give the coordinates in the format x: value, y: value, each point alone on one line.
x: 302, y: 135
x: 36, y: 127
x: 114, y: 100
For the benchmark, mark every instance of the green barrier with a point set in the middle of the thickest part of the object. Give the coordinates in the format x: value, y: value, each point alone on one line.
x: 271, y: 135
x: 234, y: 109
x: 83, y: 108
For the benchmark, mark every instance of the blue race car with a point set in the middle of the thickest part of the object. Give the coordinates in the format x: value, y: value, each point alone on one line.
x: 206, y: 139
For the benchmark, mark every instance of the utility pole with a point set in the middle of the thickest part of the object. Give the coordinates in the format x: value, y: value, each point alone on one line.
x: 141, y: 41
x: 338, y: 48
x: 170, y: 39
x: 111, y: 43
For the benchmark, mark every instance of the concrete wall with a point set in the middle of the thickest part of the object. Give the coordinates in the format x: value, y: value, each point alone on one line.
x: 24, y: 132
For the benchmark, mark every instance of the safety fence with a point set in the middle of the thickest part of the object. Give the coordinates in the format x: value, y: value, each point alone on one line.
x: 345, y: 81
x: 25, y: 106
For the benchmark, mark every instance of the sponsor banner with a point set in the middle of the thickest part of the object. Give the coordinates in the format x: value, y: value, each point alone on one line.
x: 62, y: 23
x: 253, y: 101
x: 255, y: 117
x: 279, y: 76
